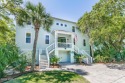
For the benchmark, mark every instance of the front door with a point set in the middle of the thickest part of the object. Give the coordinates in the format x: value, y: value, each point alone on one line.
x: 64, y: 56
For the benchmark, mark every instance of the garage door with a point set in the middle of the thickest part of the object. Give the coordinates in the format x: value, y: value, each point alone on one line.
x: 64, y: 56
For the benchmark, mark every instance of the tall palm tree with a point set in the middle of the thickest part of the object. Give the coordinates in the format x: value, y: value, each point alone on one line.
x: 39, y: 18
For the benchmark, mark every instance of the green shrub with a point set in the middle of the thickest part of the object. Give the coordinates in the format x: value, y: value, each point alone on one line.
x: 8, y: 54
x: 10, y: 57
x: 79, y: 58
x: 20, y: 64
x: 102, y: 59
x: 54, y: 59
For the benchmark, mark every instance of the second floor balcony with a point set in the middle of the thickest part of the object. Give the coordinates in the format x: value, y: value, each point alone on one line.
x: 64, y: 45
x: 64, y: 39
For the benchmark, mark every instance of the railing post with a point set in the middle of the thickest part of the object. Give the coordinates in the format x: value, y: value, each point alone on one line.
x: 39, y: 57
x: 87, y: 60
x: 47, y: 56
x: 56, y: 44
x: 91, y: 60
x: 72, y: 41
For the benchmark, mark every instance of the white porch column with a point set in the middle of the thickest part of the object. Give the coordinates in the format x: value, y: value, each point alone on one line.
x: 57, y: 52
x: 72, y: 41
x: 56, y: 39
x: 56, y: 43
x: 72, y: 57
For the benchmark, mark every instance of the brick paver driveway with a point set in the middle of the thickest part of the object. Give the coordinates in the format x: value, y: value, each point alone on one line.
x: 100, y: 73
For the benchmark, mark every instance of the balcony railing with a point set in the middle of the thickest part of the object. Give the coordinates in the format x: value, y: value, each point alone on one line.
x: 64, y: 45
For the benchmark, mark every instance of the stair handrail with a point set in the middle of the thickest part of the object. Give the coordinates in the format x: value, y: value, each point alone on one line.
x: 50, y: 45
x: 47, y: 56
x: 76, y: 48
x: 87, y: 55
x: 83, y: 52
x: 39, y: 57
x: 47, y: 53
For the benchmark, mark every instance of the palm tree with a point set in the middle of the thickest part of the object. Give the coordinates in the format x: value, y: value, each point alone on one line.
x: 38, y: 16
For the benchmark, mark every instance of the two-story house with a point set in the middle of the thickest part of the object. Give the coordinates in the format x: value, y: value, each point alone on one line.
x: 63, y: 40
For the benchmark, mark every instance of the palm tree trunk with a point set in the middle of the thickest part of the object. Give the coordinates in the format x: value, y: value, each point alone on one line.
x: 34, y: 49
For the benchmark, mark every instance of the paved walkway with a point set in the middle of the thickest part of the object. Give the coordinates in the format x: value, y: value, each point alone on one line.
x: 100, y: 73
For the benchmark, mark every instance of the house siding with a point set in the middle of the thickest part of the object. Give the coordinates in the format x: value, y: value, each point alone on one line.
x: 21, y: 35
x: 22, y: 30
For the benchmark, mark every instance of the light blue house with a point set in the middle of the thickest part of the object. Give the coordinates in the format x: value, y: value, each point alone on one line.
x: 63, y: 40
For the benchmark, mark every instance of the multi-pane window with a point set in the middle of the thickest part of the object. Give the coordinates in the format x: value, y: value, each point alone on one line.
x: 84, y: 42
x: 28, y: 37
x: 47, y: 39
x: 73, y: 28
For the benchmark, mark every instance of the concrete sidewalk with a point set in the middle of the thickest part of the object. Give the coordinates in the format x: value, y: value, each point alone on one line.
x: 99, y: 73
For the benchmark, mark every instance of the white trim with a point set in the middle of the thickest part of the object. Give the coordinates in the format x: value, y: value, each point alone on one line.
x: 63, y: 32
x: 31, y: 37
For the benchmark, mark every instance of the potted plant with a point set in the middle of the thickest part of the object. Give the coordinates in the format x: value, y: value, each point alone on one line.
x: 79, y: 58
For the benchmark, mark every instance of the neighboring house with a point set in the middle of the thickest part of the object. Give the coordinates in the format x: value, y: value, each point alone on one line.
x: 63, y: 40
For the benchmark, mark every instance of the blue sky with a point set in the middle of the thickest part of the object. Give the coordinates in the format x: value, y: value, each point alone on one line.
x: 67, y: 9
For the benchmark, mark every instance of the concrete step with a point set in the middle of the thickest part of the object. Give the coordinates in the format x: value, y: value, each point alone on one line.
x: 43, y: 57
x: 43, y: 67
x: 43, y: 62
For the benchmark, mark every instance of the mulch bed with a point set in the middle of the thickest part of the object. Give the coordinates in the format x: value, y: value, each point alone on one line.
x: 10, y: 77
x: 55, y: 66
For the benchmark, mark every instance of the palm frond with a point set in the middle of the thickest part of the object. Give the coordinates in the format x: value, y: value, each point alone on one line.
x: 48, y: 21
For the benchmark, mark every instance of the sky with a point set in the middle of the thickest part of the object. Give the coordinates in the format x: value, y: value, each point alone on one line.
x: 70, y: 10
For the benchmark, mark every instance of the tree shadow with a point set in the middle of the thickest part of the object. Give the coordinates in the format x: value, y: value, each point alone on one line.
x: 48, y: 77
x: 116, y: 66
x: 81, y: 72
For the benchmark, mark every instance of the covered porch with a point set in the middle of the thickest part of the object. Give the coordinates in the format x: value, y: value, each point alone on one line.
x: 63, y: 39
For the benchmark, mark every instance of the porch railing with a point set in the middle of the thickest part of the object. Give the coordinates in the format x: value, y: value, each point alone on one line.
x: 64, y: 45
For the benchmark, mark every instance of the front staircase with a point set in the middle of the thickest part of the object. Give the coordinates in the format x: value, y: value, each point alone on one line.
x: 88, y: 60
x: 44, y: 61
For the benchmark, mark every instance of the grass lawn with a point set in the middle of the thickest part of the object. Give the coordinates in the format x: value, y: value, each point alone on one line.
x: 50, y: 77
